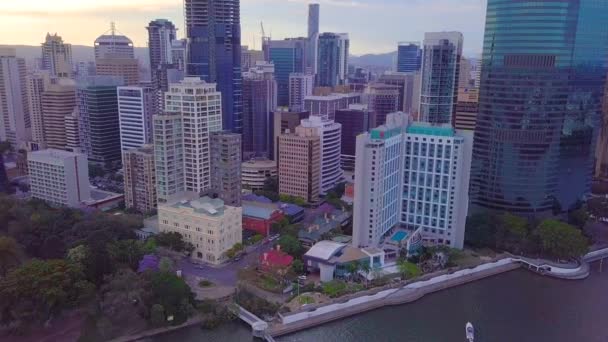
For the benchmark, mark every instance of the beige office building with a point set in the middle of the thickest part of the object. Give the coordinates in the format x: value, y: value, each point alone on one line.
x: 58, y: 101
x: 140, y: 178
x: 127, y: 68
x: 467, y: 108
x: 299, y: 163
x: 208, y: 224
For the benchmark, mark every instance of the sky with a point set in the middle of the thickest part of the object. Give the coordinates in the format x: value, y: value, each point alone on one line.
x: 374, y: 26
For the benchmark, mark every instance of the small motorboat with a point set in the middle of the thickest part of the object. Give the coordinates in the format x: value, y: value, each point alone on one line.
x: 470, y: 332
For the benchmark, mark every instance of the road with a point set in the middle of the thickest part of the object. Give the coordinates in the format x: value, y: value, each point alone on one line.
x: 225, y: 275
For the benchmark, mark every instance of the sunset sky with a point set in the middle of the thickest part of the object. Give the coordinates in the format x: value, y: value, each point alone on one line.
x: 374, y: 25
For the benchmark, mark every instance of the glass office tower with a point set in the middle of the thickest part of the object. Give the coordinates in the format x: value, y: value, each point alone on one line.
x: 543, y: 73
x: 213, y: 29
x: 409, y: 56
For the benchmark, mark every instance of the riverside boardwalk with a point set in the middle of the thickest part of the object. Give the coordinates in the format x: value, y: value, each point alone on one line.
x: 397, y: 296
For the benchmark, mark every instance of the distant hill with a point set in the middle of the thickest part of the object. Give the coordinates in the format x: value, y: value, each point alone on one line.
x: 380, y: 60
x: 80, y: 53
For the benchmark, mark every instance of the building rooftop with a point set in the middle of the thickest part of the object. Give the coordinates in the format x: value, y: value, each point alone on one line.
x: 424, y: 128
x: 259, y: 210
x: 204, y: 205
x: 324, y: 250
x: 276, y: 258
x: 290, y: 209
x: 52, y: 153
x: 256, y: 198
x: 260, y: 164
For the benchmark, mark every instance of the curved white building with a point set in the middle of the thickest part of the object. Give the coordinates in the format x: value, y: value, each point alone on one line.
x: 330, y: 133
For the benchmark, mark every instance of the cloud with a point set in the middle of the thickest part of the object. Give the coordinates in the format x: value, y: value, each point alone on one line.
x: 42, y: 8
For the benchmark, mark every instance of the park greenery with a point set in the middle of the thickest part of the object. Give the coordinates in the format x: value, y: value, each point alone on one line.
x: 58, y: 260
x: 518, y: 235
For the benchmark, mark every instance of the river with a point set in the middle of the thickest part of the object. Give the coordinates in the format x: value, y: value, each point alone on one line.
x: 515, y: 306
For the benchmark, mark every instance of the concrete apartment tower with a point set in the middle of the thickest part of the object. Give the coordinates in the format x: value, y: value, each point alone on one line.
x: 381, y: 99
x: 226, y: 167
x: 299, y: 164
x: 182, y: 137
x: 140, y: 178
x: 15, y: 123
x: 59, y: 178
x: 114, y: 56
x: 301, y: 85
x: 36, y: 84
x: 56, y: 56
x: 440, y: 72
x: 58, y: 101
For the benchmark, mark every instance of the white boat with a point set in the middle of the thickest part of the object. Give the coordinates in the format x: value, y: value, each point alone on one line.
x: 470, y: 332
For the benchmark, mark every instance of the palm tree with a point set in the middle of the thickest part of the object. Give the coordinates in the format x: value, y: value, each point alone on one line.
x: 365, y: 267
x: 10, y: 254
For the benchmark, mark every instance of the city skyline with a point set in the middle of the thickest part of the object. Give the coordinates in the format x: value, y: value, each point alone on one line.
x: 80, y: 22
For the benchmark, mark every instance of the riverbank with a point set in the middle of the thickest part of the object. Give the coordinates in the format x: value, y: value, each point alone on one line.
x: 403, y: 295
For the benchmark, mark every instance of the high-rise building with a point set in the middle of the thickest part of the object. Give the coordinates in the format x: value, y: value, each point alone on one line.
x: 412, y: 176
x: 169, y: 155
x: 440, y: 72
x: 259, y: 101
x: 56, y: 56
x: 221, y: 226
x: 300, y: 86
x: 136, y: 106
x: 140, y: 178
x: 71, y: 123
x: 381, y: 100
x: 467, y: 108
x: 114, y: 56
x: 409, y: 57
x: 601, y: 164
x: 330, y: 135
x: 464, y: 75
x: 98, y: 119
x: 313, y: 36
x: 299, y: 164
x: 226, y: 167
x: 355, y: 120
x: 284, y: 121
x: 288, y: 56
x: 58, y: 101
x: 409, y: 89
x: 378, y: 181
x: 332, y: 59
x: 182, y: 137
x: 15, y: 123
x: 36, y: 83
x: 326, y: 106
x: 213, y: 29
x: 178, y: 53
x: 59, y: 178
x: 542, y: 79
x: 161, y: 33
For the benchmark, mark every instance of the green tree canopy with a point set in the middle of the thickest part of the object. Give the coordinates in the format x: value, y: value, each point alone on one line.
x: 10, y: 254
x: 408, y: 269
x: 291, y: 245
x: 562, y: 240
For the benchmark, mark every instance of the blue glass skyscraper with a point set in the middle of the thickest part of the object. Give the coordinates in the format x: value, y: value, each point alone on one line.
x: 288, y: 56
x: 332, y: 59
x: 213, y: 30
x: 543, y: 73
x: 408, y: 57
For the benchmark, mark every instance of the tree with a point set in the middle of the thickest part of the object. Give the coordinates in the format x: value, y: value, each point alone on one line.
x: 271, y: 184
x: 481, y: 230
x: 353, y: 267
x: 39, y: 289
x: 578, y: 217
x: 173, y: 294
x: 165, y: 265
x: 157, y: 315
x: 126, y: 252
x: 562, y: 240
x: 171, y: 240
x: 291, y: 246
x: 297, y: 266
x: 407, y: 269
x: 10, y: 254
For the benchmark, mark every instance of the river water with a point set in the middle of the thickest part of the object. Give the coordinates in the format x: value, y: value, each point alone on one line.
x: 517, y: 306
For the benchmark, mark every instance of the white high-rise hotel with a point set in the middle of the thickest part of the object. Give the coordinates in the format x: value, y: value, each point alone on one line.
x: 412, y: 176
x: 182, y: 137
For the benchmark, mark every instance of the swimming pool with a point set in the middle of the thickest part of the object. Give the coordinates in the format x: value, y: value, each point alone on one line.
x: 400, y: 235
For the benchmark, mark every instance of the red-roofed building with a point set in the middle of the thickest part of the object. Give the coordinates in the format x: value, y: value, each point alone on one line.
x: 275, y: 260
